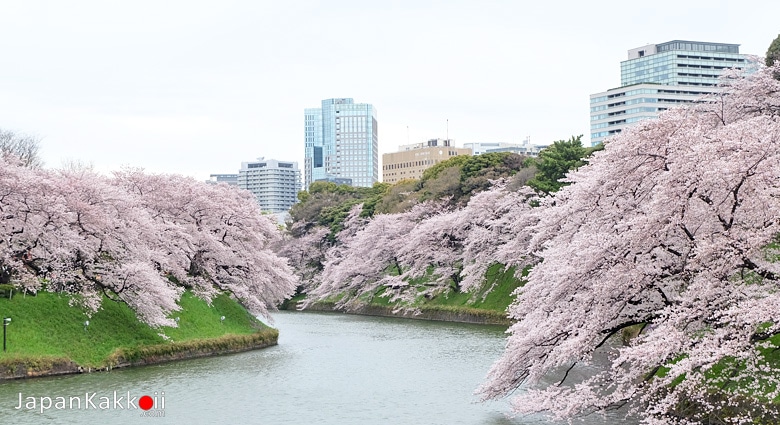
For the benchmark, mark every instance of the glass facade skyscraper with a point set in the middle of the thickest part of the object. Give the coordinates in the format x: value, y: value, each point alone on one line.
x: 658, y: 76
x: 341, y: 142
x: 679, y: 63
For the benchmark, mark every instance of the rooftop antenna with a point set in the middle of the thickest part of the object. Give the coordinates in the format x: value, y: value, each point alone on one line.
x: 448, y: 129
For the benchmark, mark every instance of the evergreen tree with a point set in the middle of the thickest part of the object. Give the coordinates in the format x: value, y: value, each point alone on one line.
x: 557, y: 160
x: 773, y: 53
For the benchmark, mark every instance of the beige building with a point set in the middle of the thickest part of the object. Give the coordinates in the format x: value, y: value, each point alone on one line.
x: 411, y: 160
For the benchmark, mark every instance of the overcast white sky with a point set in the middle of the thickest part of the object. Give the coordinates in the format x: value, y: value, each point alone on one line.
x: 196, y: 87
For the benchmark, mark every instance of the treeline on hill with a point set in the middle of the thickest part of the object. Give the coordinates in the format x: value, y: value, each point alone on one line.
x: 454, y: 181
x: 331, y: 220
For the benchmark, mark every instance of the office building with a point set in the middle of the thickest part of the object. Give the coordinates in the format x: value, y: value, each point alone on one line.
x: 341, y: 142
x: 274, y: 183
x: 525, y: 148
x: 412, y: 160
x: 337, y: 180
x: 229, y: 179
x: 658, y: 76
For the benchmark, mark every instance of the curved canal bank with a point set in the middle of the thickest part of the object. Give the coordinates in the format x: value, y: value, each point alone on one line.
x: 49, y: 336
x: 434, y: 313
x: 33, y: 367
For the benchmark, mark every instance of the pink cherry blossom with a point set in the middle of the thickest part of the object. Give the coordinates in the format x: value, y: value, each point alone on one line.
x: 136, y: 238
x: 674, y: 227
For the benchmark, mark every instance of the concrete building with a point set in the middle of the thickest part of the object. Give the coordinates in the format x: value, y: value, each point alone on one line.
x: 658, y: 76
x: 525, y: 148
x: 230, y: 179
x: 337, y: 180
x: 274, y: 183
x: 412, y: 160
x: 341, y: 142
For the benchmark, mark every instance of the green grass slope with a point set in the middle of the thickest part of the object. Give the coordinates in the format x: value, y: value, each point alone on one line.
x: 46, y: 327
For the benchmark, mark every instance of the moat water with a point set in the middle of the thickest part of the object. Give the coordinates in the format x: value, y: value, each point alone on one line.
x: 327, y: 369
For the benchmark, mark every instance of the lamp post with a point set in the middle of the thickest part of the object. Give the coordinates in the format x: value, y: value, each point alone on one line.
x: 6, y: 321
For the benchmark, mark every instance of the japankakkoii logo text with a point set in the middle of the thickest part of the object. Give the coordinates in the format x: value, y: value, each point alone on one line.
x: 150, y: 405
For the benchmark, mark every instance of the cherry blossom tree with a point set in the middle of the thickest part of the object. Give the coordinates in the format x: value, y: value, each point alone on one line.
x: 428, y: 250
x: 135, y: 238
x: 498, y: 223
x: 79, y: 234
x: 305, y: 252
x: 215, y: 238
x: 365, y: 258
x: 453, y: 249
x: 23, y: 148
x: 673, y: 229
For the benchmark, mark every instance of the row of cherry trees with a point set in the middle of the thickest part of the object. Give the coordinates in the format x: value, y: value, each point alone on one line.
x: 136, y: 237
x: 672, y: 229
x: 443, y: 246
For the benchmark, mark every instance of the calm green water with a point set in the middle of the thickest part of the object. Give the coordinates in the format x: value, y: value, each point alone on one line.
x: 327, y: 369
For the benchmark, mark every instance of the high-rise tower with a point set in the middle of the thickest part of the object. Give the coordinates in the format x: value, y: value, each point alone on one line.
x: 341, y: 143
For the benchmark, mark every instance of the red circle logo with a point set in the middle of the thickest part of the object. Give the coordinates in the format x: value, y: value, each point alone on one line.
x: 145, y: 402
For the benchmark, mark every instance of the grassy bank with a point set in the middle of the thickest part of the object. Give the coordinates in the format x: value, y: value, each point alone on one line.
x: 45, y: 330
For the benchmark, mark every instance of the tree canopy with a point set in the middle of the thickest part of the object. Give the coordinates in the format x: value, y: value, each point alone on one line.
x: 556, y: 160
x: 327, y: 204
x: 448, y: 248
x: 674, y: 228
x: 23, y: 148
x: 773, y: 52
x: 456, y: 179
x: 137, y: 238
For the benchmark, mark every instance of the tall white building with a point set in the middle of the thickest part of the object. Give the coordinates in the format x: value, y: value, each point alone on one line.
x: 274, y: 183
x: 658, y: 76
